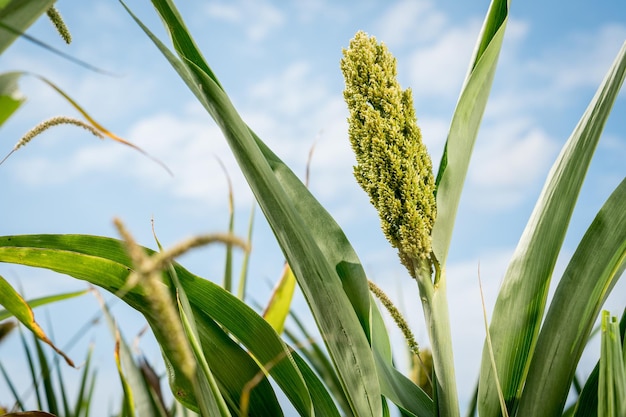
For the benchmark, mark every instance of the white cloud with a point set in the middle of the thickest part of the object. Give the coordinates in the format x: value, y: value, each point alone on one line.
x: 258, y: 18
x: 189, y: 146
x: 223, y: 11
x: 580, y: 60
x: 510, y: 156
x: 409, y: 21
x: 438, y: 70
x: 309, y: 10
x: 292, y: 91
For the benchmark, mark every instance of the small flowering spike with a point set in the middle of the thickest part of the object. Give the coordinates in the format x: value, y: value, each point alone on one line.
x: 47, y: 124
x: 393, y: 165
x: 59, y: 24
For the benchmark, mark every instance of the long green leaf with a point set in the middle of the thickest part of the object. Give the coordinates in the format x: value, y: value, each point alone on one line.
x: 520, y: 304
x: 19, y: 15
x: 210, y: 399
x: 322, y: 287
x: 46, y: 377
x: 465, y: 124
x: 450, y: 179
x: 593, y: 271
x: 41, y: 301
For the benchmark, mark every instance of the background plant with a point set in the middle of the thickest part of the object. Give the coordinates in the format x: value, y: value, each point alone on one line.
x: 209, y: 84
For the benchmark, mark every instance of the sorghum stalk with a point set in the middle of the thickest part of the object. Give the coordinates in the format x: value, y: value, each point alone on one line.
x: 394, y: 169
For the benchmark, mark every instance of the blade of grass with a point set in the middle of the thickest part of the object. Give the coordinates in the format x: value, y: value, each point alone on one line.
x: 519, y: 308
x: 211, y: 402
x: 46, y: 377
x: 243, y: 276
x: 465, y: 124
x: 41, y: 301
x: 20, y: 14
x: 490, y: 348
x: 16, y: 397
x: 14, y: 303
x: 228, y: 262
x: 82, y: 403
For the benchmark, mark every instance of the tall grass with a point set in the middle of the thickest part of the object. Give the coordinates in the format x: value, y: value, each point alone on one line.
x: 220, y: 353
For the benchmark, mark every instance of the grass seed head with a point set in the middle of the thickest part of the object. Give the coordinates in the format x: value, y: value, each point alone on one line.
x: 393, y: 165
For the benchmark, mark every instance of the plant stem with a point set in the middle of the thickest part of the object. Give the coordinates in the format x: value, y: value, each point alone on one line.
x: 435, y: 306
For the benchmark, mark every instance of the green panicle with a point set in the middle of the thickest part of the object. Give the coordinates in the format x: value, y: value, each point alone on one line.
x: 393, y: 165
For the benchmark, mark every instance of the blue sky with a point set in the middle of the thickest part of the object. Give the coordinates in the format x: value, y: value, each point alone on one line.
x: 279, y: 62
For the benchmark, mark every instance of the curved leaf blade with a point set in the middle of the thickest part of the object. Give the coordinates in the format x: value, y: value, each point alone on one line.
x: 594, y: 269
x: 465, y: 124
x: 520, y: 305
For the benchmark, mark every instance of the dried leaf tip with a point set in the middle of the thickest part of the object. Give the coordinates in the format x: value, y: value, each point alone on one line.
x: 393, y: 166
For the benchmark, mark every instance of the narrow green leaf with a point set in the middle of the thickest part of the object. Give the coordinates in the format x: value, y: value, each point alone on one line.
x: 19, y: 15
x: 16, y: 397
x: 210, y: 400
x: 465, y: 124
x: 16, y: 305
x: 82, y: 402
x: 594, y: 269
x: 520, y: 305
x: 41, y: 301
x: 34, y: 374
x: 46, y: 377
x: 243, y: 276
x: 402, y: 391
